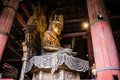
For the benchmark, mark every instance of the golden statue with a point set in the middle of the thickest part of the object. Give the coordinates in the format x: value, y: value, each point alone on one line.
x: 35, y: 28
x: 56, y: 62
x: 51, y: 37
x: 50, y: 40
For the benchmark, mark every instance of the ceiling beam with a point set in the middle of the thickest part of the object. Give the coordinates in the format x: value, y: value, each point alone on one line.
x: 74, y: 34
x: 13, y: 49
x: 20, y: 20
x: 9, y: 60
x: 25, y: 9
x: 75, y: 20
x: 19, y: 30
x: 114, y: 17
x: 111, y: 1
x: 17, y: 39
x: 83, y: 19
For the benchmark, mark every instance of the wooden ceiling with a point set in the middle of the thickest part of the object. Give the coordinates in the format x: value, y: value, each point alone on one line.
x: 74, y: 11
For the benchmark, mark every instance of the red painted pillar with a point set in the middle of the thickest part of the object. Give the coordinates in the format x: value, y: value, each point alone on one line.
x: 105, y: 53
x: 6, y: 20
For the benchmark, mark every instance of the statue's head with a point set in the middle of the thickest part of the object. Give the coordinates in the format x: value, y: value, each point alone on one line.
x: 56, y: 25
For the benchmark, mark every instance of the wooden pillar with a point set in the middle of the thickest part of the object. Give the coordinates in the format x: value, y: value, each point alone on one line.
x: 105, y: 53
x: 20, y: 20
x: 90, y: 49
x: 25, y: 10
x: 6, y: 20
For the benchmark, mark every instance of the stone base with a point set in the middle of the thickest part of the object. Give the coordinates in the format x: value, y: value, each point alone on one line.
x: 58, y: 75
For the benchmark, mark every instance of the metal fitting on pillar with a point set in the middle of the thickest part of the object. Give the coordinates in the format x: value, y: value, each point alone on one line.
x: 100, y: 17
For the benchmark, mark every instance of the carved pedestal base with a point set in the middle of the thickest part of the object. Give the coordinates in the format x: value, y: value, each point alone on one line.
x: 58, y: 75
x: 56, y: 67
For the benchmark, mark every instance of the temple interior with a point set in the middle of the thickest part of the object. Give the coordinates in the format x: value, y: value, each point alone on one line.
x: 74, y: 35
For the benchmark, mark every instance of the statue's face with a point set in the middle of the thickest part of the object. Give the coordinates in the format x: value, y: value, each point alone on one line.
x: 56, y: 29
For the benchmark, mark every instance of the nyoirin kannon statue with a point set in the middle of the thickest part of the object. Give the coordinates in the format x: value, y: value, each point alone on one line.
x: 51, y: 41
x: 51, y: 44
x: 55, y: 62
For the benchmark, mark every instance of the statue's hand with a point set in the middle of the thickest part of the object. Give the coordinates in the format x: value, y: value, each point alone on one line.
x: 49, y: 48
x: 66, y: 50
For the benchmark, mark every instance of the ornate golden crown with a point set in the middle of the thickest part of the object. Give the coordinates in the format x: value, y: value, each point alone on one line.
x: 58, y: 19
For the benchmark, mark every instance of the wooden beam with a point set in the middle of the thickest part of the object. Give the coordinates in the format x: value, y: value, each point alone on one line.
x: 20, y: 19
x: 74, y: 20
x: 110, y: 1
x: 74, y: 34
x: 9, y: 71
x: 114, y: 17
x: 13, y: 60
x: 18, y: 30
x: 17, y: 39
x: 25, y: 9
x: 13, y: 49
